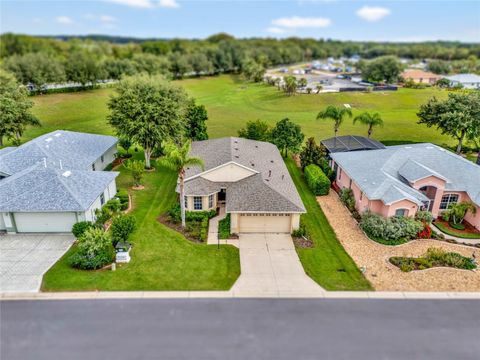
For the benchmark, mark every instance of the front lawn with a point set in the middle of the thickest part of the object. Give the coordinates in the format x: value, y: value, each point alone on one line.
x: 326, y: 262
x: 162, y: 259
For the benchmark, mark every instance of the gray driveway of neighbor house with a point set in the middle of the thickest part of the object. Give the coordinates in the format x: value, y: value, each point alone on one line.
x: 270, y: 267
x: 25, y: 258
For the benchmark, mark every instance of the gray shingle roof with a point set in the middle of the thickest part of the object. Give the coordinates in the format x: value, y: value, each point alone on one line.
x: 75, y: 150
x: 269, y: 189
x: 49, y: 189
x: 464, y: 78
x: 384, y: 174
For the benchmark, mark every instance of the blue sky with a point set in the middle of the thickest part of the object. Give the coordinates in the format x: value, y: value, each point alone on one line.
x: 401, y: 20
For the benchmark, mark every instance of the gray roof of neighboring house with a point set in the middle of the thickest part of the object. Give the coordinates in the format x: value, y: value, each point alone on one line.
x: 384, y: 174
x: 43, y: 189
x: 270, y: 188
x: 351, y: 143
x: 464, y: 78
x: 73, y: 149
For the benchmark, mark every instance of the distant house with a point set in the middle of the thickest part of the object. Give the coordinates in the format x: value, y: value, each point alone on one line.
x: 50, y: 183
x: 250, y: 179
x: 467, y: 81
x: 400, y: 180
x: 420, y: 76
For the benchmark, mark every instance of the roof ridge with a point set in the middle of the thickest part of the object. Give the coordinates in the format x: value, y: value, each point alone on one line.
x: 283, y: 196
x: 59, y: 176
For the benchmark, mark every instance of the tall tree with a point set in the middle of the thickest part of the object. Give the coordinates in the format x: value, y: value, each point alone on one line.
x: 196, y: 128
x: 312, y: 153
x: 290, y: 85
x: 337, y: 114
x: 148, y: 110
x: 287, y: 136
x: 15, y: 107
x: 458, y: 116
x: 84, y: 69
x: 256, y: 130
x: 178, y: 158
x: 369, y: 119
x: 384, y: 68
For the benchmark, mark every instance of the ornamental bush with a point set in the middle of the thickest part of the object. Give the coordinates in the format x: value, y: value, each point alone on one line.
x: 317, y: 181
x: 122, y: 196
x: 122, y: 227
x: 426, y: 216
x: 391, y: 229
x: 347, y: 198
x: 95, y: 250
x: 79, y: 228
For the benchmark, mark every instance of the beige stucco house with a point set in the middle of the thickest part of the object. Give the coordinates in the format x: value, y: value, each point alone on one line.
x: 400, y: 180
x: 250, y: 179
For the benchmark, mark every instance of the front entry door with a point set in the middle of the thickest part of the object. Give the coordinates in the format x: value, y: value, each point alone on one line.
x: 222, y: 195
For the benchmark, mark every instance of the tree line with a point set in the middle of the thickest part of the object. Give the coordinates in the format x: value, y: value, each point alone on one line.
x: 84, y: 60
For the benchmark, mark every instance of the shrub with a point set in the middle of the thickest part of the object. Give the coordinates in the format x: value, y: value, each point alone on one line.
x: 457, y: 226
x: 317, y: 181
x: 137, y: 169
x: 301, y: 231
x: 95, y: 250
x: 79, y: 228
x: 426, y: 216
x: 122, y: 196
x: 224, y: 228
x: 103, y: 215
x: 347, y: 198
x: 391, y: 229
x: 113, y: 205
x: 175, y: 214
x: 122, y: 227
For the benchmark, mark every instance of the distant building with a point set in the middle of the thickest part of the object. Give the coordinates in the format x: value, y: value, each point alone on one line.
x: 468, y: 81
x: 420, y: 76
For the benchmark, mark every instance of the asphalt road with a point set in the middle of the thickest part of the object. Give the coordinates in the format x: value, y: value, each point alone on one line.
x: 240, y: 329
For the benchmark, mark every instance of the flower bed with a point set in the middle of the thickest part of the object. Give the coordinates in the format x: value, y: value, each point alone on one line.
x: 469, y: 233
x: 434, y: 257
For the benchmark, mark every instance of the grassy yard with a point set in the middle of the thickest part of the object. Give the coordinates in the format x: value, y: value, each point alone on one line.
x: 162, y: 259
x: 327, y: 262
x: 231, y: 103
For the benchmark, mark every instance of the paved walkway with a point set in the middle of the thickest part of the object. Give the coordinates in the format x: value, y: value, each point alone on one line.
x: 212, y: 238
x: 271, y: 267
x: 460, y: 240
x: 25, y: 258
x: 384, y: 276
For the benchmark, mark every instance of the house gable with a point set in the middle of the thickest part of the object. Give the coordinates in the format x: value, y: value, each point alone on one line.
x: 230, y: 172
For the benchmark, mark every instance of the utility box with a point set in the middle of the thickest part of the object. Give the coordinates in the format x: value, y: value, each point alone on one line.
x: 123, y: 252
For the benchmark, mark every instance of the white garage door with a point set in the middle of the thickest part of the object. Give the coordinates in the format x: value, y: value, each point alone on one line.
x: 44, y: 222
x: 268, y: 223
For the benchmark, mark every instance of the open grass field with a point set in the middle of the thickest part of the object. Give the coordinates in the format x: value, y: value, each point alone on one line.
x: 326, y: 262
x: 162, y: 259
x: 231, y: 103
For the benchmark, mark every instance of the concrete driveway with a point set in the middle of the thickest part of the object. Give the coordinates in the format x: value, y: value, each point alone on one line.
x: 270, y: 267
x: 25, y: 258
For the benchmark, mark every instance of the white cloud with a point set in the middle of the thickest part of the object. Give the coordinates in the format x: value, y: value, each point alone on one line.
x: 373, y: 13
x: 147, y: 4
x: 302, y: 22
x: 276, y: 30
x: 168, y: 3
x: 64, y: 20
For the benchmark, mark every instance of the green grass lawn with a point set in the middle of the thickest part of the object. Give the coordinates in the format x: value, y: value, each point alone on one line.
x: 326, y: 262
x: 162, y: 259
x: 231, y: 103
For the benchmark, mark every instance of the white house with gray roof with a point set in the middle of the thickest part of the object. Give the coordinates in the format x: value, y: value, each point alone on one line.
x: 50, y: 183
x: 250, y: 179
x: 467, y: 81
x: 400, y: 180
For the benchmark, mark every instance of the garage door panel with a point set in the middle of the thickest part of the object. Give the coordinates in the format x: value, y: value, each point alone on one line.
x: 265, y: 223
x: 44, y: 222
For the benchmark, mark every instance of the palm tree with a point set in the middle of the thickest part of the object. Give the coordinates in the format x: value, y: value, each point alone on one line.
x: 337, y: 114
x: 177, y: 158
x: 319, y: 88
x: 369, y: 119
x: 290, y: 85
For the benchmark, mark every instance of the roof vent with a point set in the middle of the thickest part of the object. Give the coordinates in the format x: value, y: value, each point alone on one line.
x: 256, y: 146
x: 271, y: 161
x: 67, y: 173
x: 429, y: 147
x: 237, y: 156
x: 252, y: 164
x: 267, y: 179
x: 236, y: 141
x: 236, y: 148
x: 48, y: 139
x: 57, y: 134
x: 283, y: 177
x: 269, y: 173
x: 408, y: 147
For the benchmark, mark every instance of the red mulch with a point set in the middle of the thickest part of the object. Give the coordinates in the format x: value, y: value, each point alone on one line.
x: 469, y: 229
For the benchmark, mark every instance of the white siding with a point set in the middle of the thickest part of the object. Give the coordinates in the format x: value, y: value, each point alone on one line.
x: 108, y: 158
x: 2, y: 223
x: 44, y: 222
x: 109, y: 192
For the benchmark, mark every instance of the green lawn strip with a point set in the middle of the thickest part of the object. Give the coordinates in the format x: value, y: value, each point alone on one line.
x: 326, y: 262
x: 232, y: 102
x: 162, y: 259
x: 459, y: 234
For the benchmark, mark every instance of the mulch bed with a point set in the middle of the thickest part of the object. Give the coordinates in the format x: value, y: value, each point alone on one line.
x: 302, y: 242
x: 165, y: 220
x: 469, y: 229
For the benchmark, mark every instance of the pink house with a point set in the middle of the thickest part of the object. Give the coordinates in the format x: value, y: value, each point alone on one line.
x: 400, y: 180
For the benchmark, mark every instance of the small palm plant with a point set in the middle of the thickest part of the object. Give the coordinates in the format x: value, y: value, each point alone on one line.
x: 456, y: 212
x: 177, y: 158
x: 137, y: 169
x: 369, y: 119
x: 337, y: 114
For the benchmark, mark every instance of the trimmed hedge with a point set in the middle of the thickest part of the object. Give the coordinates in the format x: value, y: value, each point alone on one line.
x: 317, y: 181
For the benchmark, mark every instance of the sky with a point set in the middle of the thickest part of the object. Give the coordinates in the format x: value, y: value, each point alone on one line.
x: 401, y: 20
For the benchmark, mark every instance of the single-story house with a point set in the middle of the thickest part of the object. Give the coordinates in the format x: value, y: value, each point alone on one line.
x: 468, y: 81
x: 50, y: 183
x: 420, y: 76
x: 400, y: 180
x: 250, y: 179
